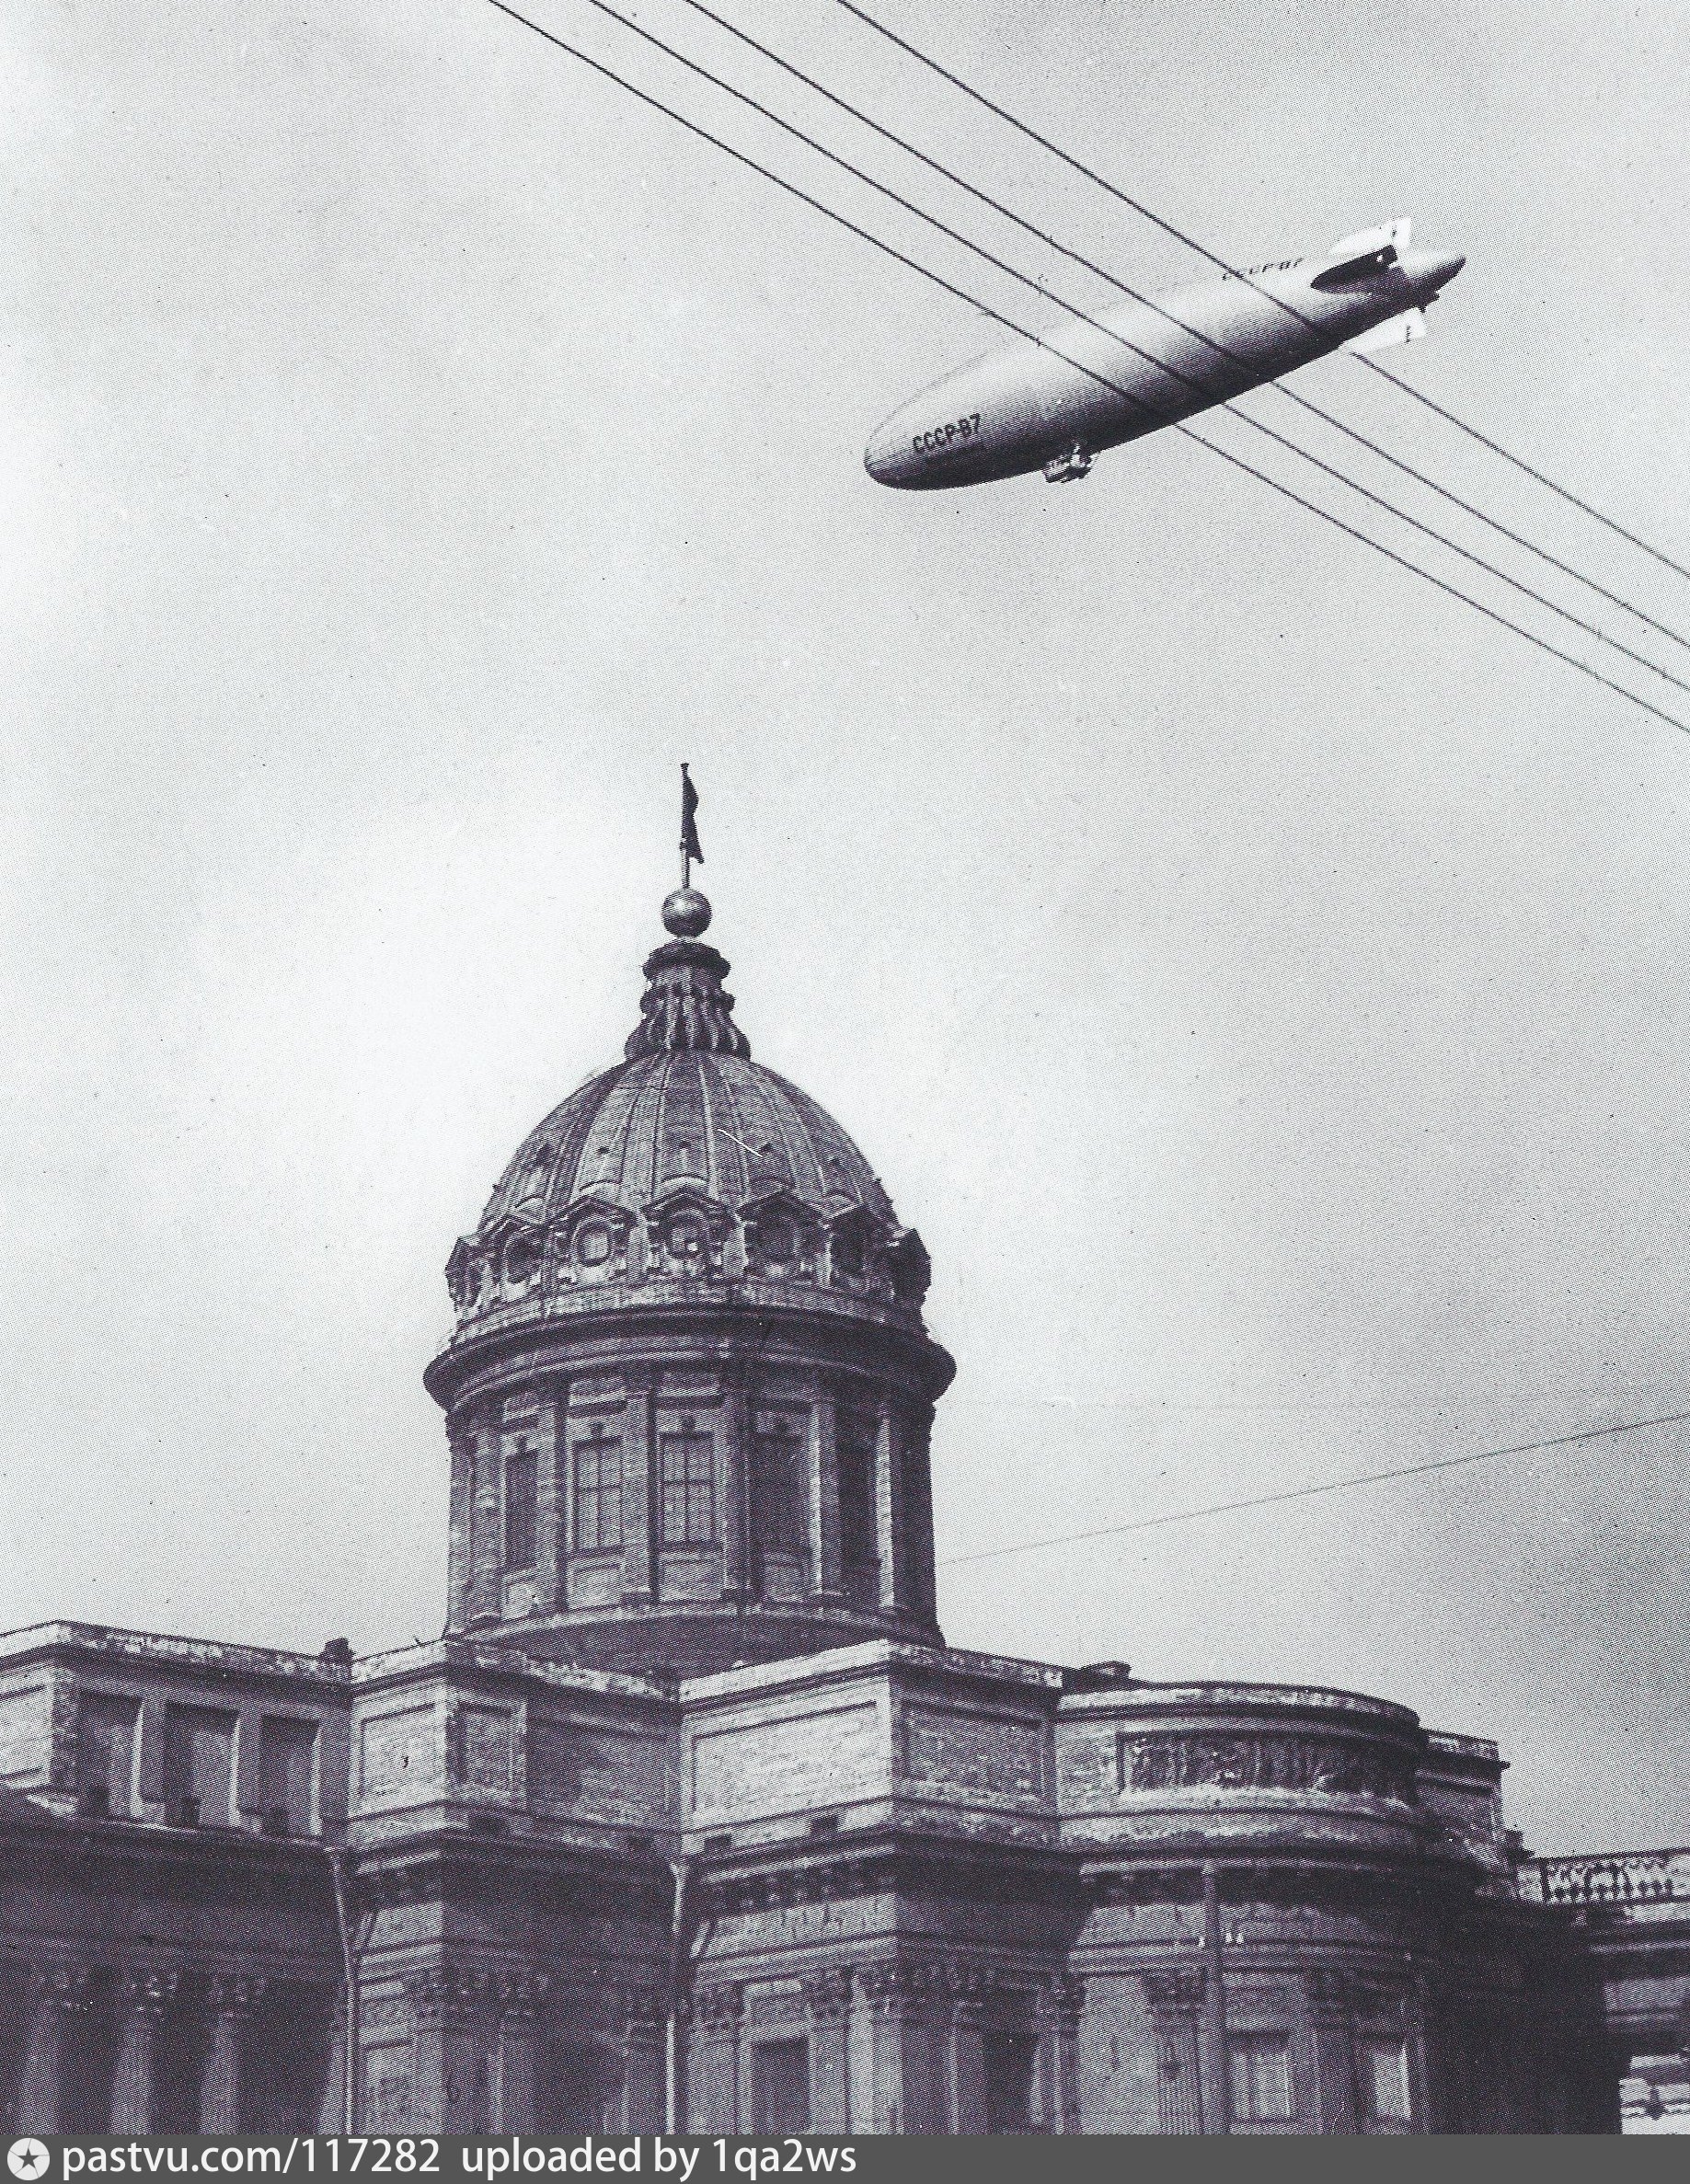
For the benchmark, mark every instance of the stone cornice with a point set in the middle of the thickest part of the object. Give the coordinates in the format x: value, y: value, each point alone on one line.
x: 577, y: 1331
x: 203, y: 1659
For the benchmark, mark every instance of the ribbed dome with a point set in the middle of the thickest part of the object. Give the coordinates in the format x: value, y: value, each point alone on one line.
x: 721, y: 1123
x: 687, y: 1162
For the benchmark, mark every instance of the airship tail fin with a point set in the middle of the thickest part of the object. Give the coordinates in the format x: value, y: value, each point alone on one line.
x: 1357, y: 255
x: 1409, y: 326
x: 1395, y: 235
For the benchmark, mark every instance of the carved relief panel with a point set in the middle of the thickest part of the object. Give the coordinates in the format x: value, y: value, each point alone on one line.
x: 1329, y: 1766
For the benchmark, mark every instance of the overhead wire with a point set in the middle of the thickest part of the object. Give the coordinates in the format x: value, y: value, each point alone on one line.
x: 1179, y: 235
x: 1318, y: 1488
x: 1160, y: 307
x: 1029, y: 333
x: 1307, y: 1493
x: 1148, y: 356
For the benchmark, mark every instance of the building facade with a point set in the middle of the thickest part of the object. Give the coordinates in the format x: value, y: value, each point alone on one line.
x: 691, y: 1816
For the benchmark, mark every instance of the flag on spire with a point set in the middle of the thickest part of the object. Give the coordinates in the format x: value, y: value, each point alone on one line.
x: 690, y: 850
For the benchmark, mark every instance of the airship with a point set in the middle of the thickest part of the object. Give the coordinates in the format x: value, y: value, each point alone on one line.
x: 1054, y: 401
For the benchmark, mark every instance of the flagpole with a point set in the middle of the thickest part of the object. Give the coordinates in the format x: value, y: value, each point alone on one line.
x: 687, y: 862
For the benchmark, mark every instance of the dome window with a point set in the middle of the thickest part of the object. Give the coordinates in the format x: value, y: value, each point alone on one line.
x: 687, y: 1241
x: 537, y: 1173
x: 521, y: 1260
x: 592, y: 1243
x: 775, y: 1240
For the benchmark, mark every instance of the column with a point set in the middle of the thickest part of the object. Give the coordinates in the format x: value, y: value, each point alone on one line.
x: 519, y: 1997
x: 1059, y: 2052
x: 641, y: 1489
x: 449, y: 2015
x: 230, y: 2000
x: 55, y: 1990
x: 713, y: 2077
x: 827, y: 2002
x: 967, y: 1985
x: 1217, y: 2052
x: 331, y: 2106
x: 642, y: 2077
x: 1175, y: 1999
x: 1331, y: 2019
x: 826, y: 1572
x: 143, y: 1998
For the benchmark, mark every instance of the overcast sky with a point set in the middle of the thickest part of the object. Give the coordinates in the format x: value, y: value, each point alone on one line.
x: 1261, y: 979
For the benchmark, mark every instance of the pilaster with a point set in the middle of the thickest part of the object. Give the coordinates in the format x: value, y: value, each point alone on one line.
x: 551, y: 1526
x: 451, y: 2086
x: 714, y: 2078
x: 519, y: 1997
x: 1331, y: 2015
x: 827, y: 1577
x: 735, y: 1516
x: 916, y: 1465
x: 460, y: 1556
x: 890, y: 1528
x: 1060, y: 2006
x: 230, y: 2000
x: 143, y: 1999
x: 908, y: 2057
x: 827, y: 2004
x: 641, y: 1489
x: 486, y: 1527
x: 966, y: 2079
x: 55, y: 1993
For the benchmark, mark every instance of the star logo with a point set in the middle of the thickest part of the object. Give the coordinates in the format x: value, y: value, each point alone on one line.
x: 27, y: 2158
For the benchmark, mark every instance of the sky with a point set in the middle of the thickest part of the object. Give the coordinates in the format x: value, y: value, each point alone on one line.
x: 1258, y: 976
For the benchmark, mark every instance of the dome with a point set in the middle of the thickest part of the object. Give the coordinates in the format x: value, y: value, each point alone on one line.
x: 686, y: 1163
x: 689, y: 1395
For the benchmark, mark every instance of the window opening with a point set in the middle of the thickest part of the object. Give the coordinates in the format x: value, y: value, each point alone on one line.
x: 598, y: 1494
x: 779, y: 1495
x: 1260, y: 2077
x: 287, y: 1749
x: 689, y: 1490
x: 1011, y: 2063
x: 780, y: 2087
x: 1385, y: 2077
x: 522, y: 1505
x: 106, y: 1756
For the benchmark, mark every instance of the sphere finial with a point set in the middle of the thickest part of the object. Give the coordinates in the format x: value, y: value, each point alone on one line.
x: 686, y: 913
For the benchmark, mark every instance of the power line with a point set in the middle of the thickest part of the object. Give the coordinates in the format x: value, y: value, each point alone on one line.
x: 1027, y: 333
x: 1332, y: 1486
x: 1153, y: 304
x: 1170, y: 371
x: 1192, y: 243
